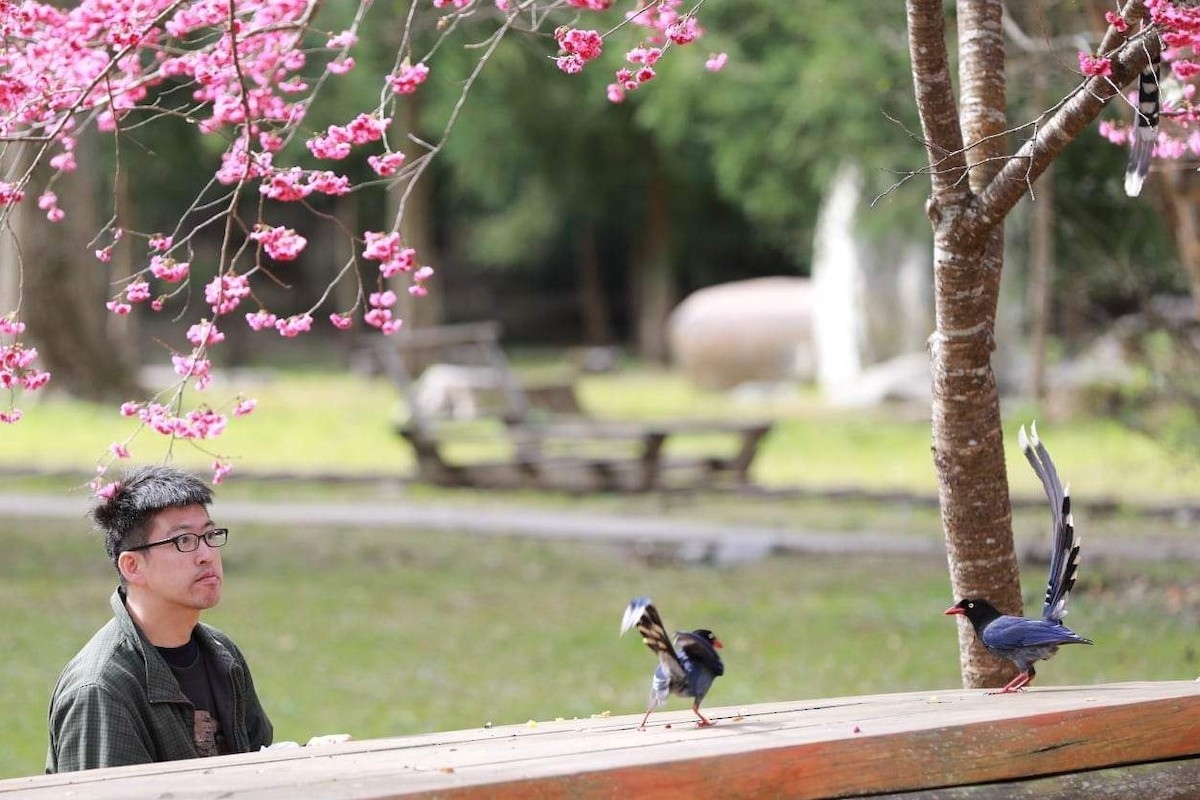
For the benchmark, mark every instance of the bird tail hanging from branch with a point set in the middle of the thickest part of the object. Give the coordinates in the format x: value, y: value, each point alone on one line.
x: 1145, y: 132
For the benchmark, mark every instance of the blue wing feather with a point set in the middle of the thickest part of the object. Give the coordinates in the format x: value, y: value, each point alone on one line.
x: 1009, y: 633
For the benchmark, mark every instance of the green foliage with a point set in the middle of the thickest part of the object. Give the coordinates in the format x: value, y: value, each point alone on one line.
x: 806, y: 88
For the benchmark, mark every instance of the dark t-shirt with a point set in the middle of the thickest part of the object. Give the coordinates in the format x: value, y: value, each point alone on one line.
x: 191, y: 668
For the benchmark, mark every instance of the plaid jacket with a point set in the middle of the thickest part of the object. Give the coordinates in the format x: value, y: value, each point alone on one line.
x: 117, y: 702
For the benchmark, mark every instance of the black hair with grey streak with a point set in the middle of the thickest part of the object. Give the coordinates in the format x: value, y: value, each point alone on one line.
x: 125, y: 517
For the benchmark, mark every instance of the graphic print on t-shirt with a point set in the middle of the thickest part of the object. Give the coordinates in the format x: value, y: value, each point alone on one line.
x: 191, y: 669
x: 206, y: 735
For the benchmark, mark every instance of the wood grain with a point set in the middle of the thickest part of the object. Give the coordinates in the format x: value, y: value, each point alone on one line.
x: 840, y: 747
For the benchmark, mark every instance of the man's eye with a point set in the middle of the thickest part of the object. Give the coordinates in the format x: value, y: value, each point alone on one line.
x: 188, y: 541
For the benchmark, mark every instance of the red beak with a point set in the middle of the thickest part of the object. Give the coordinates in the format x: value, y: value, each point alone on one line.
x: 953, y: 610
x: 717, y: 644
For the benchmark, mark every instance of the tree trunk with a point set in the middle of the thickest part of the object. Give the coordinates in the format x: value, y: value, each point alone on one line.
x: 64, y: 290
x: 1180, y: 192
x: 968, y: 439
x: 593, y: 302
x: 123, y: 332
x: 968, y: 217
x: 417, y: 230
x: 653, y: 279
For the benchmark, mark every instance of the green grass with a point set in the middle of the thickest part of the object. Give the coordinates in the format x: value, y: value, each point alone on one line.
x: 379, y: 633
x: 323, y: 422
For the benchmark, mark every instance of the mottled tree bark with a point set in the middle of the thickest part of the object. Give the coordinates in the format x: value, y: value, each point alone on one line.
x: 975, y: 184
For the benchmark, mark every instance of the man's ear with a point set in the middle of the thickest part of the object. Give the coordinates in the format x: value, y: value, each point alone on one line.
x: 130, y: 566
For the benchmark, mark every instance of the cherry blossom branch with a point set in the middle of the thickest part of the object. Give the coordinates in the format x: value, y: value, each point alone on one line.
x: 247, y: 72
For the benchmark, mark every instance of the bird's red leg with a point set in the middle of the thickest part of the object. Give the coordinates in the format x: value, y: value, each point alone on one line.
x: 704, y: 721
x: 642, y: 727
x: 1018, y: 683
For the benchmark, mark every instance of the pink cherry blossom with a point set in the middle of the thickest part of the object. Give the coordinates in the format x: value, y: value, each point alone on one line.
x: 193, y: 366
x: 386, y: 164
x: 716, y: 62
x: 408, y: 79
x: 570, y: 64
x: 340, y: 321
x: 244, y: 407
x: 205, y: 334
x: 281, y: 244
x: 225, y: 292
x: 326, y: 182
x: 402, y: 261
x: 683, y: 32
x: 261, y: 320
x: 381, y: 246
x: 376, y: 317
x: 294, y: 326
x: 11, y: 326
x: 9, y: 194
x: 286, y: 186
x: 1094, y: 65
x: 385, y: 299
x: 137, y: 291
x: 587, y: 44
x: 32, y: 381
x: 168, y: 269
x: 220, y: 470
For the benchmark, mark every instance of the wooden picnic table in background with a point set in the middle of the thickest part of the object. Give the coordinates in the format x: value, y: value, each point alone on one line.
x: 1128, y: 740
x: 548, y: 441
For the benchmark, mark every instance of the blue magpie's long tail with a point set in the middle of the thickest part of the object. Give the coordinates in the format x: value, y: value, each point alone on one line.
x: 1145, y: 129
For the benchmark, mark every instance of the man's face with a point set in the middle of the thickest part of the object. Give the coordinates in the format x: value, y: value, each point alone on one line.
x: 192, y: 580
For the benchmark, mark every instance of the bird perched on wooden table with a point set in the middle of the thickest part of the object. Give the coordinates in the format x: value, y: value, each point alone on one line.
x: 686, y: 667
x: 1021, y: 640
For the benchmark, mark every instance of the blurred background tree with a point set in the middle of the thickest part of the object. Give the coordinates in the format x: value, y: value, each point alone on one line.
x: 575, y: 221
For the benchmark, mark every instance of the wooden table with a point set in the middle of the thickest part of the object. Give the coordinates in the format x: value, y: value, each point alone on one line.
x: 925, y: 742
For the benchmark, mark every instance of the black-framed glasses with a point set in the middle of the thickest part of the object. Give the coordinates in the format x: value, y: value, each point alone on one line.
x: 189, y: 542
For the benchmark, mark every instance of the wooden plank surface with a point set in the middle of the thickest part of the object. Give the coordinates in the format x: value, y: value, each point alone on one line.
x: 1159, y: 780
x: 838, y: 747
